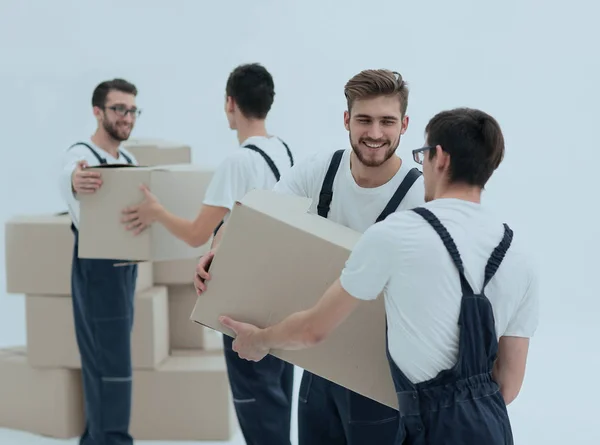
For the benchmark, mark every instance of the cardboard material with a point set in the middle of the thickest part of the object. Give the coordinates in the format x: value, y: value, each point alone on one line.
x: 152, y: 152
x: 186, y: 398
x: 179, y: 188
x: 275, y: 259
x: 41, y: 246
x: 184, y: 333
x: 48, y: 402
x: 177, y: 271
x: 51, y: 331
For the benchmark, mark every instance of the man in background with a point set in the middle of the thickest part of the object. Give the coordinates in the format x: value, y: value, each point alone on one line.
x: 102, y: 294
x: 262, y: 392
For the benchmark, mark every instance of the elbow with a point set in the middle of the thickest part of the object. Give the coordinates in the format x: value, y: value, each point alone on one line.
x: 197, y: 241
x: 509, y: 393
x: 313, y: 337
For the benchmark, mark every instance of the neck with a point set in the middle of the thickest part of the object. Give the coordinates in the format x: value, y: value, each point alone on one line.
x: 463, y: 192
x: 106, y: 143
x: 248, y: 128
x: 370, y: 177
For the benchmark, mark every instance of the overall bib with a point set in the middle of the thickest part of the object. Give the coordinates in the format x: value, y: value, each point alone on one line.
x: 329, y: 414
x: 262, y: 391
x: 103, y: 308
x: 461, y: 405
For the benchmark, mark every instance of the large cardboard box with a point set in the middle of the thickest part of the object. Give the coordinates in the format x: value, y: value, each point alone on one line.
x: 151, y: 152
x: 179, y: 188
x: 48, y: 402
x: 186, y: 398
x: 184, y: 333
x: 38, y: 253
x: 51, y: 339
x: 274, y: 259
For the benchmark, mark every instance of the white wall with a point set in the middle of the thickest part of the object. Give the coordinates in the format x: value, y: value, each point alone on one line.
x: 532, y: 64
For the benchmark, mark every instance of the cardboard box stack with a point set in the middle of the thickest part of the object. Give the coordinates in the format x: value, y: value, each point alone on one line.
x: 180, y: 385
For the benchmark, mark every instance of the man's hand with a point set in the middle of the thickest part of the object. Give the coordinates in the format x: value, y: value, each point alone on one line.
x: 247, y: 341
x: 202, y: 276
x: 85, y: 182
x: 138, y: 217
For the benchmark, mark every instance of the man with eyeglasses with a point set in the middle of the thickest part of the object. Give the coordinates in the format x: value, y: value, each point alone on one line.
x: 102, y: 294
x: 460, y: 291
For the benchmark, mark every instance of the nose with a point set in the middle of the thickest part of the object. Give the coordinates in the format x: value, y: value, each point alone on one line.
x: 129, y: 118
x: 375, y: 131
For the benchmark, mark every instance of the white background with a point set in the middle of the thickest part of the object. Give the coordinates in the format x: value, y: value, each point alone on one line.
x: 534, y: 65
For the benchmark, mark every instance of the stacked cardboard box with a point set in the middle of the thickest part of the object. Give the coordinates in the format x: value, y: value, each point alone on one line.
x: 177, y: 363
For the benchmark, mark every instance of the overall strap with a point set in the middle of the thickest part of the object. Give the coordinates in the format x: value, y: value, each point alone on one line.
x: 129, y: 161
x: 449, y: 244
x: 400, y: 193
x: 101, y: 160
x: 326, y: 194
x: 266, y: 158
x: 289, y: 152
x: 497, y: 256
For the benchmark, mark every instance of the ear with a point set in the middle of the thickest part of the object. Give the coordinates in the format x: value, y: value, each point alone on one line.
x: 405, y: 120
x: 97, y: 112
x: 229, y: 104
x: 442, y: 159
x: 347, y: 120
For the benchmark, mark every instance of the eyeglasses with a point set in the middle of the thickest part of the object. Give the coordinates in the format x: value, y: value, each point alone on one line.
x: 419, y: 154
x: 122, y: 111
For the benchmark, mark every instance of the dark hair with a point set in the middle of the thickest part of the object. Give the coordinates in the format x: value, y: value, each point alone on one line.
x: 474, y: 141
x: 251, y: 87
x: 102, y: 90
x: 373, y: 83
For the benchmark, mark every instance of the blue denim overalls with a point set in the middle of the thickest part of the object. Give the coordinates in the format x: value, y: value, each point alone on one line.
x: 461, y: 405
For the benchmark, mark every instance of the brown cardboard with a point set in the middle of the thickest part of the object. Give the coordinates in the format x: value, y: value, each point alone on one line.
x: 186, y: 398
x: 40, y: 246
x: 152, y: 152
x: 179, y: 188
x: 48, y: 402
x: 184, y: 333
x: 275, y: 259
x: 177, y: 271
x: 51, y: 331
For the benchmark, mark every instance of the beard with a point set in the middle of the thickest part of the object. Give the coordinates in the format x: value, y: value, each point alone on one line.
x: 118, y: 133
x: 372, y: 157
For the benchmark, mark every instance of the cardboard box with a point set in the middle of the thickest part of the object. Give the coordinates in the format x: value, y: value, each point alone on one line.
x: 177, y: 271
x: 179, y: 188
x: 196, y: 387
x: 275, y: 259
x: 48, y: 402
x: 152, y: 152
x: 41, y: 246
x: 184, y: 333
x: 51, y: 339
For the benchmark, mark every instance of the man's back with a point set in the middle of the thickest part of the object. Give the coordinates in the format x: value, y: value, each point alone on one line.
x: 424, y: 294
x: 246, y: 169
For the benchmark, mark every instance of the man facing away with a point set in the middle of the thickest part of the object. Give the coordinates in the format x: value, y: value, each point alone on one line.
x: 102, y: 294
x: 460, y: 292
x: 262, y: 392
x: 355, y: 187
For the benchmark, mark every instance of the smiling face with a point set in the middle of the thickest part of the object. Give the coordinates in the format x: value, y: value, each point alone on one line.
x: 118, y: 115
x: 375, y: 126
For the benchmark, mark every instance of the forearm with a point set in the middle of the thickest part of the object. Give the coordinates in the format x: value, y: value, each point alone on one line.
x: 293, y: 333
x: 508, y: 387
x: 181, y: 228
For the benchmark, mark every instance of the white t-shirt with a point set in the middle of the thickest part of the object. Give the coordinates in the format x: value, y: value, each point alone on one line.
x: 405, y: 258
x: 79, y: 153
x: 352, y: 206
x: 245, y: 170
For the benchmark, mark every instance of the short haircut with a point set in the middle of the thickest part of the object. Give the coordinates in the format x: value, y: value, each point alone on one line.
x: 474, y: 141
x: 369, y: 84
x: 251, y: 87
x: 101, y: 91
